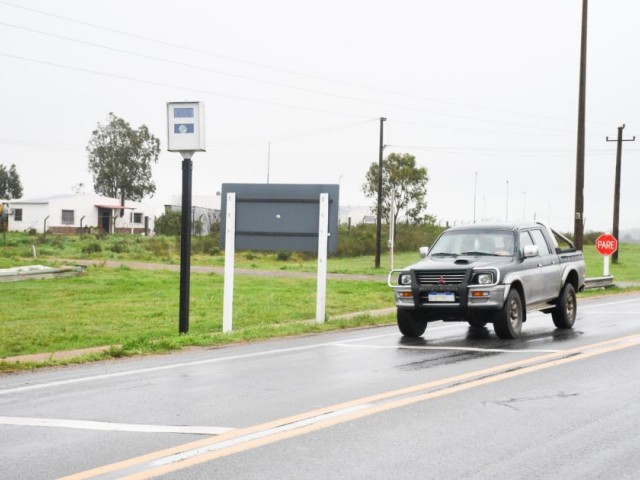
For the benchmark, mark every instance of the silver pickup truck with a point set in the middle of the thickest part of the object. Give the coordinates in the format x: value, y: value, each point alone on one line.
x: 496, y: 274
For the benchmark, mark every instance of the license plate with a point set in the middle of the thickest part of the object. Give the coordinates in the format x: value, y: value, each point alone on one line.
x: 441, y: 297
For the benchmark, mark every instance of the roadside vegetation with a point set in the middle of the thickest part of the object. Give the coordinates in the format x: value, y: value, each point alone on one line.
x: 135, y: 311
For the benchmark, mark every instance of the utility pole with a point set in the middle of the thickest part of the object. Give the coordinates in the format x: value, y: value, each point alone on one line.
x: 268, y: 161
x: 379, y: 216
x: 507, y: 213
x: 475, y: 194
x: 616, y: 194
x: 578, y: 225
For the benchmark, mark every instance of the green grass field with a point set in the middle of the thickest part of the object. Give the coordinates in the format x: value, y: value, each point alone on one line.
x: 136, y: 311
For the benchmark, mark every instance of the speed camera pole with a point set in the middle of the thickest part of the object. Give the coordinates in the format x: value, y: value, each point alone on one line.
x: 185, y: 244
x: 185, y: 134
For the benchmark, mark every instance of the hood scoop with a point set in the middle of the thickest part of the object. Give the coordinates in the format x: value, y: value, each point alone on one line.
x: 462, y: 261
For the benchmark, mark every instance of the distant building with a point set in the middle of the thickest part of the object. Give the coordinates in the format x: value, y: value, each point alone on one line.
x: 80, y: 213
x: 202, y: 218
x: 355, y: 215
x: 205, y: 211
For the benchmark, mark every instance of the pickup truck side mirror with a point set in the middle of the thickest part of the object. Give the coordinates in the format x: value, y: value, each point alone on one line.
x: 424, y: 251
x: 531, y: 251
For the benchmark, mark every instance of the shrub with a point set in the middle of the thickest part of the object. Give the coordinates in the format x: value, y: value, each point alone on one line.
x: 207, y: 245
x: 169, y: 223
x: 119, y: 247
x: 283, y: 256
x: 361, y: 239
x: 161, y: 246
x: 92, y: 247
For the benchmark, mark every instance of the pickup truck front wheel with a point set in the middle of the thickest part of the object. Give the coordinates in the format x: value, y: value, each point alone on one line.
x: 507, y: 322
x: 564, y: 314
x: 476, y: 322
x: 410, y: 323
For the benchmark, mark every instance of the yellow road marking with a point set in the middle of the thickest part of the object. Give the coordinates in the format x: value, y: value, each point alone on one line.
x: 146, y: 466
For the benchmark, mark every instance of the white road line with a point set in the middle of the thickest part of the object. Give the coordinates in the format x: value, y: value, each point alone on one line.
x: 172, y: 366
x: 601, y: 305
x: 261, y: 434
x: 395, y: 333
x: 111, y: 427
x: 461, y: 349
x: 616, y: 312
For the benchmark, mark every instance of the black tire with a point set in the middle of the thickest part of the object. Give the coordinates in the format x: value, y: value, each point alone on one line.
x: 476, y: 322
x: 564, y: 314
x: 410, y: 323
x: 507, y: 322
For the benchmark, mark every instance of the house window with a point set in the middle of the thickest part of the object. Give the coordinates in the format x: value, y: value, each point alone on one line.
x: 136, y: 217
x: 17, y: 214
x: 68, y: 217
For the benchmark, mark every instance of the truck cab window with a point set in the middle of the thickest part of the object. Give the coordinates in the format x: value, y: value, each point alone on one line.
x: 539, y: 240
x: 525, y: 239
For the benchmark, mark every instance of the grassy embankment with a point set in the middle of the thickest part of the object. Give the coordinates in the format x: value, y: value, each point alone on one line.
x: 136, y: 311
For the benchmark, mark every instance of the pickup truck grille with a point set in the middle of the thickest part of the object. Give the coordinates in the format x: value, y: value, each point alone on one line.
x: 448, y: 277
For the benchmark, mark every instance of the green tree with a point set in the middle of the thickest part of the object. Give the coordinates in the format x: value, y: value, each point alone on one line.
x: 10, y: 184
x: 405, y: 181
x: 120, y: 160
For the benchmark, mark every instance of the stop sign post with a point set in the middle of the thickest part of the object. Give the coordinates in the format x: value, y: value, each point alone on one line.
x: 606, y: 244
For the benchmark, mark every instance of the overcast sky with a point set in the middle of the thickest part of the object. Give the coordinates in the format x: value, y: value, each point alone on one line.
x: 484, y: 94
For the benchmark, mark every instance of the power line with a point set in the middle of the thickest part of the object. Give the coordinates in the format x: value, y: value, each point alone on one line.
x: 271, y: 67
x: 179, y: 87
x: 195, y: 67
x: 497, y: 151
x: 219, y: 145
x: 483, y: 130
x: 271, y: 82
x: 41, y: 145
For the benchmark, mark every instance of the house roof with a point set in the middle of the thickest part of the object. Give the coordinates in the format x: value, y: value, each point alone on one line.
x: 115, y: 207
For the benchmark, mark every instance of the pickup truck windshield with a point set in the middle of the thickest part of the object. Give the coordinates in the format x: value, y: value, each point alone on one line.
x: 500, y: 243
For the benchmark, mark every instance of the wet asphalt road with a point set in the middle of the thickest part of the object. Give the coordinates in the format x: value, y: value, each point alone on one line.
x: 367, y: 403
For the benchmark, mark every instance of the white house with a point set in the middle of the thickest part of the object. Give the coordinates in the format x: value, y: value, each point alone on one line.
x: 76, y: 213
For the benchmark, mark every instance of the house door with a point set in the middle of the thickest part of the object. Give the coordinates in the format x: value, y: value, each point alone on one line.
x: 104, y: 220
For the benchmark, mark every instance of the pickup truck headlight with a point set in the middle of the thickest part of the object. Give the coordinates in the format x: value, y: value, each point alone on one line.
x: 404, y: 279
x: 484, y: 278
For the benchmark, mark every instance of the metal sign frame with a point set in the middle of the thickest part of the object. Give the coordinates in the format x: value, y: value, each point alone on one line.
x: 287, y: 233
x: 280, y: 217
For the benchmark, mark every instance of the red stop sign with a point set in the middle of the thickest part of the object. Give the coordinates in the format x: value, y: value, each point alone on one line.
x: 606, y: 244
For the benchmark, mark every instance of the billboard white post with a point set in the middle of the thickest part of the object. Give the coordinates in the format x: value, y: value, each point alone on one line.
x: 323, y: 233
x: 229, y: 263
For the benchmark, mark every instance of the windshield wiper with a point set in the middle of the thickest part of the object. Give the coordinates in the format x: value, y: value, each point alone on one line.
x: 443, y: 254
x: 478, y: 253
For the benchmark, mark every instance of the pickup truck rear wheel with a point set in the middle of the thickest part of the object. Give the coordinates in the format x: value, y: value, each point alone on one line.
x: 564, y: 314
x: 507, y: 322
x: 410, y: 323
